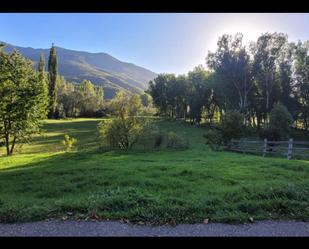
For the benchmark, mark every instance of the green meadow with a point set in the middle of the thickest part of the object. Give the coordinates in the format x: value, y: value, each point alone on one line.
x: 42, y: 181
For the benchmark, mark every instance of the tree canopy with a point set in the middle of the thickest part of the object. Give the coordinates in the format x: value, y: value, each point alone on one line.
x: 23, y: 102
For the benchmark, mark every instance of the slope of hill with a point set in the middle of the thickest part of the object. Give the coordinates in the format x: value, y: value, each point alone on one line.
x: 100, y: 68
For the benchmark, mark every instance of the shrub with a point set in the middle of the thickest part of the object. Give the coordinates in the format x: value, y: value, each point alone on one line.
x: 158, y: 139
x: 127, y: 127
x: 176, y: 141
x: 232, y: 125
x: 214, y: 139
x: 121, y: 133
x: 151, y: 137
x: 272, y: 134
x: 69, y: 142
x: 280, y: 120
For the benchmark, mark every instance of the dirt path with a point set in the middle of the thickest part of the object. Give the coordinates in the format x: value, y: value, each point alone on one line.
x: 113, y: 228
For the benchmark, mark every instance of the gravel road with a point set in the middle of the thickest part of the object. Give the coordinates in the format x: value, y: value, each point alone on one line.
x: 115, y: 228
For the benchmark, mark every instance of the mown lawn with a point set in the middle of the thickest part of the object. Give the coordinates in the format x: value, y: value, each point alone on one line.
x: 160, y: 186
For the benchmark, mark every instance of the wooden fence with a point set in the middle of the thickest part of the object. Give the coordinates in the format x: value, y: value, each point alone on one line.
x: 290, y: 148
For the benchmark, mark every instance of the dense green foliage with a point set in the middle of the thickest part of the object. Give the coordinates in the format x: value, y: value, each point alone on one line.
x: 126, y: 128
x: 176, y: 141
x: 84, y: 100
x: 181, y: 97
x: 162, y: 186
x: 249, y: 79
x: 232, y: 126
x: 23, y: 95
x: 214, y: 139
x: 280, y: 119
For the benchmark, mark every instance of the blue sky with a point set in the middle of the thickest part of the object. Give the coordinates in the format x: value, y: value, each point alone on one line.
x: 173, y: 43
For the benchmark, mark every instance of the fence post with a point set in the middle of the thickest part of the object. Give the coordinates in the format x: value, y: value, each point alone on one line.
x: 243, y: 146
x: 290, y: 147
x: 265, y: 147
x: 232, y: 144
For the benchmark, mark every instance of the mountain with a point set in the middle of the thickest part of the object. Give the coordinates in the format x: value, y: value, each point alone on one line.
x: 100, y: 68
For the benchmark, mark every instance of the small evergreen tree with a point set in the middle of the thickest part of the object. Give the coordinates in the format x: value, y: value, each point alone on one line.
x: 52, y: 76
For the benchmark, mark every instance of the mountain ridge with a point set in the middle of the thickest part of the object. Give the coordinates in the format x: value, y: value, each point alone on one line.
x: 101, y: 68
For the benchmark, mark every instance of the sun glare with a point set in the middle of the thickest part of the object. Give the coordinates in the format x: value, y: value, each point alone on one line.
x: 250, y: 31
x: 250, y: 26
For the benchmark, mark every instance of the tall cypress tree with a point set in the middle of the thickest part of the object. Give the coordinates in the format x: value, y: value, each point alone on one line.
x: 52, y: 72
x: 41, y: 66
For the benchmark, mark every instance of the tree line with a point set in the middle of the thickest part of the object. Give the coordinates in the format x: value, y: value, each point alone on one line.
x: 250, y: 78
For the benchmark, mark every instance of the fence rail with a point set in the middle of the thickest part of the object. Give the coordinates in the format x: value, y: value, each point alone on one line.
x: 290, y: 148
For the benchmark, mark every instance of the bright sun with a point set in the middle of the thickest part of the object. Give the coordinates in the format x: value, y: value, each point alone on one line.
x: 250, y: 31
x: 251, y: 26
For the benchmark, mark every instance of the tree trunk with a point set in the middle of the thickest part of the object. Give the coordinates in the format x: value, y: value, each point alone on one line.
x: 13, y: 146
x: 7, y: 144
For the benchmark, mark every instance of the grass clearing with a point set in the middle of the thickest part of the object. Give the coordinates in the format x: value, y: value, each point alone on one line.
x: 159, y: 186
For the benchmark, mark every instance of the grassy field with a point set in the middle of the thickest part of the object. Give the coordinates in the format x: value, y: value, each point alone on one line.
x: 164, y: 186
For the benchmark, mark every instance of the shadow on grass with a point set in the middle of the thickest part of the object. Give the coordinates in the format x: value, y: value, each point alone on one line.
x: 51, y: 161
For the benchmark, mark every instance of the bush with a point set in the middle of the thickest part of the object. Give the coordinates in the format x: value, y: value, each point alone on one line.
x: 176, y: 141
x: 127, y: 127
x: 280, y: 120
x: 214, y: 139
x: 122, y: 133
x: 232, y: 125
x: 158, y: 139
x: 272, y: 134
x: 151, y: 137
x: 69, y: 142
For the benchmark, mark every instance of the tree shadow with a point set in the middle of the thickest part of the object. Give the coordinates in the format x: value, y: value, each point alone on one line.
x: 50, y: 162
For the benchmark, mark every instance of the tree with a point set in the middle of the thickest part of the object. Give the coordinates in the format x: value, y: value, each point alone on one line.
x: 23, y: 102
x: 52, y: 75
x: 231, y: 62
x: 280, y: 119
x: 199, y: 92
x: 41, y: 70
x: 69, y: 98
x: 91, y: 98
x: 302, y: 81
x: 158, y: 91
x: 41, y: 64
x: 126, y: 128
x: 266, y: 52
x: 84, y: 100
x: 232, y: 125
x: 146, y: 99
x: 181, y: 90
